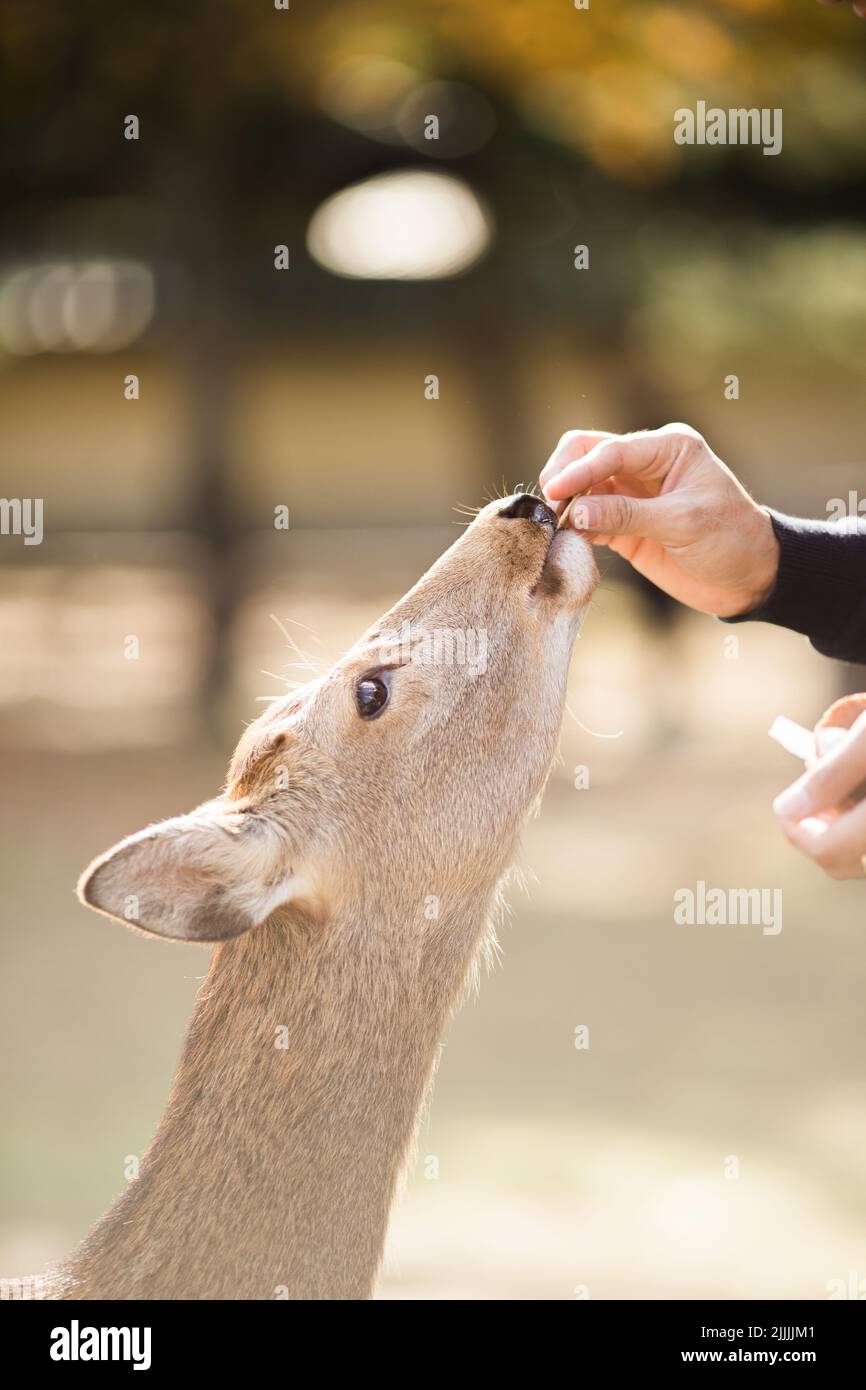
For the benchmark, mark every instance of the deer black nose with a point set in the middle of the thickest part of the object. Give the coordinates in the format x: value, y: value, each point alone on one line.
x: 530, y: 509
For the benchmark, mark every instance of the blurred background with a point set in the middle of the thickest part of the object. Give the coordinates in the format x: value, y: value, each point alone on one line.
x: 173, y: 396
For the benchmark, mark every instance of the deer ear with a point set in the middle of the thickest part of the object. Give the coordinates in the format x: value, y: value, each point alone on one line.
x: 207, y: 876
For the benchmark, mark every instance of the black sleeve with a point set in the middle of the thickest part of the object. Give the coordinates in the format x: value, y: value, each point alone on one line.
x: 820, y: 588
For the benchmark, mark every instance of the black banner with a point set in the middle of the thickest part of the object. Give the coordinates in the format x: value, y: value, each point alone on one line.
x: 152, y: 1338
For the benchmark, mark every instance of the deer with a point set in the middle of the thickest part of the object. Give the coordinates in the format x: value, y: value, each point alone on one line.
x: 347, y: 876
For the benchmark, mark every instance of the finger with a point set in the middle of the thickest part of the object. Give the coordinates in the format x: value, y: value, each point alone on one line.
x: 859, y: 7
x: 836, y: 845
x: 828, y: 781
x: 559, y: 505
x: 615, y: 515
x: 627, y: 455
x: 573, y: 445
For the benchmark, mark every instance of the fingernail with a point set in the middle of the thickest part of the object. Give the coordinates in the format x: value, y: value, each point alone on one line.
x: 792, y: 803
x: 584, y: 516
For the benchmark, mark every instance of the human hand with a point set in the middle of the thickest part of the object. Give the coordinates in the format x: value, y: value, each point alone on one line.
x: 820, y: 812
x: 668, y: 505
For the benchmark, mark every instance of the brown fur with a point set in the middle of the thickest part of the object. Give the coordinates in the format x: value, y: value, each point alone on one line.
x: 274, y: 1168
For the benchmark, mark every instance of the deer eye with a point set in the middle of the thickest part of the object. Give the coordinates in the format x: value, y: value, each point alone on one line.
x: 371, y: 696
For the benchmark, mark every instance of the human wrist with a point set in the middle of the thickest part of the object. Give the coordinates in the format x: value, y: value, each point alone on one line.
x: 764, y: 569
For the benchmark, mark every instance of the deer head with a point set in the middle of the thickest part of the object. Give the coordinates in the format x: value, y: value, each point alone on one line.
x: 406, y: 771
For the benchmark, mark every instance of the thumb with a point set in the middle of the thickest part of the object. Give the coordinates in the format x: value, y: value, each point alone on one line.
x: 829, y: 780
x: 615, y: 515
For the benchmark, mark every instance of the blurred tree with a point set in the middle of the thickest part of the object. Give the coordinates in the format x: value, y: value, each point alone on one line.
x: 250, y: 116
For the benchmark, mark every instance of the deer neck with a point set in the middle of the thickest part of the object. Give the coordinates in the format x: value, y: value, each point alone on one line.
x: 293, y: 1110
